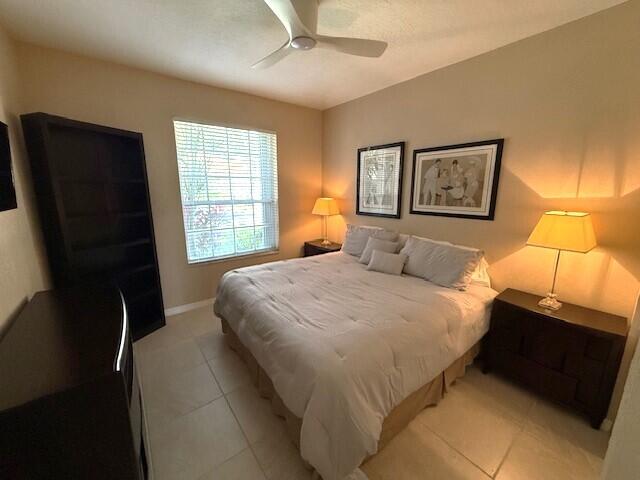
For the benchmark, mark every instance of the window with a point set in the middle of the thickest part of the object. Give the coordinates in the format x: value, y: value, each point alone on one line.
x: 229, y: 190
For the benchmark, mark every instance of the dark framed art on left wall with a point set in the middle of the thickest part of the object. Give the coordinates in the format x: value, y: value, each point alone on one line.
x: 379, y: 181
x: 7, y: 188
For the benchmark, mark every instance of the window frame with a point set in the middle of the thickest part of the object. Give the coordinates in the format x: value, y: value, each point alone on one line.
x: 226, y: 258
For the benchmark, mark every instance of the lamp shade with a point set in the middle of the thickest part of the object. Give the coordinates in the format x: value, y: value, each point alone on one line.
x: 561, y: 230
x: 325, y: 206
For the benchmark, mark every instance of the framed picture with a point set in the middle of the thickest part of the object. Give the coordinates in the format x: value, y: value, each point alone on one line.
x: 7, y: 190
x: 457, y: 180
x: 379, y: 184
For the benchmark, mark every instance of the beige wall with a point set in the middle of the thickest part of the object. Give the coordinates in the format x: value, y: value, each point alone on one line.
x: 22, y: 263
x: 118, y: 96
x: 567, y: 103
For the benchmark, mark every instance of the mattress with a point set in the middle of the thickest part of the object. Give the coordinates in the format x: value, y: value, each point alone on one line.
x: 343, y: 346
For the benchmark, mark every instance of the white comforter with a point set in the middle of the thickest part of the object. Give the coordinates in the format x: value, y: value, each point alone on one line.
x: 343, y: 345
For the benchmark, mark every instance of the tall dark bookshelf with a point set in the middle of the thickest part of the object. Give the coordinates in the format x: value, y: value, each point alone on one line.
x: 93, y: 197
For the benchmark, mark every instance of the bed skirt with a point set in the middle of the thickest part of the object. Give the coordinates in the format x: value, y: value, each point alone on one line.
x: 394, y: 423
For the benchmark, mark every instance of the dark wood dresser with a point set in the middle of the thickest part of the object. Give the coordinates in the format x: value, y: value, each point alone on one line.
x: 571, y: 355
x: 70, y: 405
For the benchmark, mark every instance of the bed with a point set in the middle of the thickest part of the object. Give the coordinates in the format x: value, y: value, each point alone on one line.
x: 348, y: 356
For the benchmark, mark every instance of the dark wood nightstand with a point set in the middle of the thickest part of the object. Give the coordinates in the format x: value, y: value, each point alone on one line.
x: 315, y: 247
x: 571, y: 355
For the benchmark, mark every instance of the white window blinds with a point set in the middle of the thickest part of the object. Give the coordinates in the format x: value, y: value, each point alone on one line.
x: 229, y: 190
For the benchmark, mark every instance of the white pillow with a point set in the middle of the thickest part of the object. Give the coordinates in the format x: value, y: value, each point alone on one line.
x: 480, y: 275
x: 418, y: 251
x: 387, y: 262
x: 402, y: 240
x: 377, y: 244
x: 452, y: 266
x: 441, y: 262
x: 355, y: 239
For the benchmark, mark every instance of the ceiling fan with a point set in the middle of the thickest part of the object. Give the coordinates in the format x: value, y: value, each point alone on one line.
x: 300, y: 19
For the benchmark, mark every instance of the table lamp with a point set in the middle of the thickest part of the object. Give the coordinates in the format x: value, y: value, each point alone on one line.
x: 560, y: 230
x: 325, y: 207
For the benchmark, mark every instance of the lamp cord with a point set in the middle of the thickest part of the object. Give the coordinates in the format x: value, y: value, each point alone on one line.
x: 555, y: 272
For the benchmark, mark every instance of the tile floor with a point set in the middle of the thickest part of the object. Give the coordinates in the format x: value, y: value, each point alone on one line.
x: 207, y: 422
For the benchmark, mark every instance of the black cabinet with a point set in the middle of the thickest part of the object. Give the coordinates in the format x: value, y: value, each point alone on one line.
x: 571, y: 355
x: 91, y: 187
x: 70, y: 403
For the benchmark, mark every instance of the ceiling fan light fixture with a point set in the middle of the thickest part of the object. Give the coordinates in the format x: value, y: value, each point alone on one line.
x: 303, y: 43
x: 300, y: 18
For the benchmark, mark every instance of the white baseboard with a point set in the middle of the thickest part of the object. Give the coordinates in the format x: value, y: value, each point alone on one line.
x: 606, y: 425
x: 189, y: 306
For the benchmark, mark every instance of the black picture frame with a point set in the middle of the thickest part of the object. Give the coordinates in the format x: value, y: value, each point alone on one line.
x: 7, y: 189
x: 494, y: 163
x: 399, y: 169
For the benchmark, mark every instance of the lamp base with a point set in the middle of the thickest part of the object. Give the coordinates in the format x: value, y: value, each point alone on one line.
x: 326, y: 242
x: 551, y: 302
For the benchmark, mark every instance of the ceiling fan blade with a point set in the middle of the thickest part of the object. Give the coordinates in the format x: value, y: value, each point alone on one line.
x: 273, y: 57
x: 353, y: 46
x: 287, y: 14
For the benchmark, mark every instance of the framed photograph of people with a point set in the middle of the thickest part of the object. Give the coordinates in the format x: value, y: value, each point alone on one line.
x: 457, y: 180
x: 379, y: 183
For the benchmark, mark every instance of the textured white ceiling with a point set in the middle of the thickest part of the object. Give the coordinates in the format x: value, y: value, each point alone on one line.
x: 216, y: 41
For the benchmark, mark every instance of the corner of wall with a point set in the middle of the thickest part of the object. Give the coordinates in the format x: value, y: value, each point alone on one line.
x: 22, y: 256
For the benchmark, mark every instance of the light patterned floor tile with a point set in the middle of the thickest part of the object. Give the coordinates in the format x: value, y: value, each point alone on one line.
x: 212, y: 344
x: 417, y: 453
x: 495, y: 391
x: 195, y: 322
x: 179, y: 356
x: 174, y: 393
x: 480, y: 432
x: 553, y: 458
x: 549, y: 420
x: 254, y: 413
x: 230, y: 371
x: 164, y: 337
x: 194, y: 444
x: 241, y: 467
x: 280, y: 458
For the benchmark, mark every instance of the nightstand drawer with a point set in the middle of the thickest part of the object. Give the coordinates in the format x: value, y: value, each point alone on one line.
x: 509, y: 318
x: 509, y: 328
x: 310, y: 251
x: 554, y: 346
x: 556, y: 385
x: 598, y: 349
x: 316, y: 247
x: 589, y: 381
x: 510, y: 339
